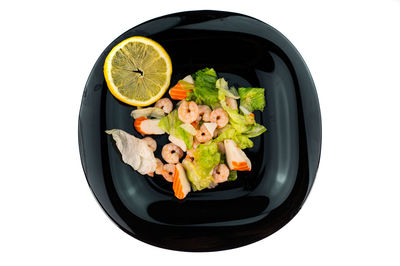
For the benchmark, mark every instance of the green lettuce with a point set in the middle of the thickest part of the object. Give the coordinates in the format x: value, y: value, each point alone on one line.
x: 172, y: 125
x: 232, y: 176
x: 222, y: 85
x: 198, y: 177
x: 204, y: 91
x: 229, y: 132
x: 255, y: 131
x: 241, y: 127
x: 205, y: 78
x: 206, y: 157
x: 252, y: 98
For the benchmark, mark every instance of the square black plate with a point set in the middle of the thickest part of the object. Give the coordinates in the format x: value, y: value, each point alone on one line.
x: 248, y: 53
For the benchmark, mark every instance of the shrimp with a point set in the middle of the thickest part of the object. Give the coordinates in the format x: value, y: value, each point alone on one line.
x: 168, y: 172
x: 204, y: 113
x: 171, y: 153
x: 190, y: 153
x: 151, y: 143
x: 203, y: 135
x: 220, y: 173
x: 159, y: 167
x: 231, y: 103
x: 221, y: 147
x: 188, y: 112
x: 219, y: 116
x: 164, y: 104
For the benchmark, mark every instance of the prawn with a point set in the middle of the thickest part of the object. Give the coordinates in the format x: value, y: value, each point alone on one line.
x: 190, y: 154
x: 151, y: 143
x: 165, y: 104
x: 220, y: 117
x: 171, y: 153
x: 220, y: 173
x: 159, y: 167
x: 231, y: 102
x: 203, y: 135
x: 204, y: 113
x: 168, y: 172
x: 188, y: 112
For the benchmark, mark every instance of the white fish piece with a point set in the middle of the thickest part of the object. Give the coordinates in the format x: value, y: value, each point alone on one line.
x: 235, y: 157
x: 134, y: 151
x: 148, y: 112
x: 178, y: 142
x: 148, y: 161
x: 211, y: 127
x: 188, y: 79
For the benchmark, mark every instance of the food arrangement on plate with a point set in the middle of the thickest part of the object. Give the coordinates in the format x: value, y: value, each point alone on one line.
x: 209, y: 123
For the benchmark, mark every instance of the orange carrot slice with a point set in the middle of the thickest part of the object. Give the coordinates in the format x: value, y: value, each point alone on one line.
x: 179, y: 92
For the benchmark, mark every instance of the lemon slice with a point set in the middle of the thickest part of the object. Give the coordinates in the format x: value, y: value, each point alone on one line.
x: 138, y: 71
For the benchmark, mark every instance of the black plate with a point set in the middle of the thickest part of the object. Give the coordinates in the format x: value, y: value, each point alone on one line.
x: 247, y: 52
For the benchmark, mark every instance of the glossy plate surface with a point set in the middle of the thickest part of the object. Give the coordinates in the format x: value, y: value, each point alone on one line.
x: 248, y: 53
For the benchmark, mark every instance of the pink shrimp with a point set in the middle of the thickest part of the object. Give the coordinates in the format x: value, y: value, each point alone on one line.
x: 204, y: 113
x: 168, y: 172
x: 203, y: 135
x: 171, y: 153
x: 159, y: 167
x: 188, y: 112
x: 220, y: 173
x: 219, y: 116
x: 231, y: 103
x: 190, y: 154
x: 164, y: 104
x: 151, y: 143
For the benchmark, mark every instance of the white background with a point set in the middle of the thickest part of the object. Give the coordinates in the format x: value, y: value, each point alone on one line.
x: 48, y: 215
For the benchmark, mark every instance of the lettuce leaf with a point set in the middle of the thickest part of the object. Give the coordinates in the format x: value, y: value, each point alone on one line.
x: 172, y: 125
x: 207, y: 156
x: 204, y: 95
x: 204, y: 91
x: 222, y: 85
x: 243, y: 141
x: 252, y: 98
x: 229, y: 132
x: 198, y: 177
x: 205, y: 78
x: 255, y: 131
x: 232, y: 176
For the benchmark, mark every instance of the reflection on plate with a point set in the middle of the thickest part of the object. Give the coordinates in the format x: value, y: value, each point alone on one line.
x: 248, y: 53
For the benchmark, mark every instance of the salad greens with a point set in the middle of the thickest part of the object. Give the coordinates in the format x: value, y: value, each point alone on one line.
x: 252, y: 98
x: 172, y: 125
x: 213, y: 136
x: 204, y: 91
x: 206, y: 157
x: 199, y: 178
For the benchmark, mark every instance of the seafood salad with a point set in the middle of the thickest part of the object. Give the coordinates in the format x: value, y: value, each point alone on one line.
x: 209, y: 126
